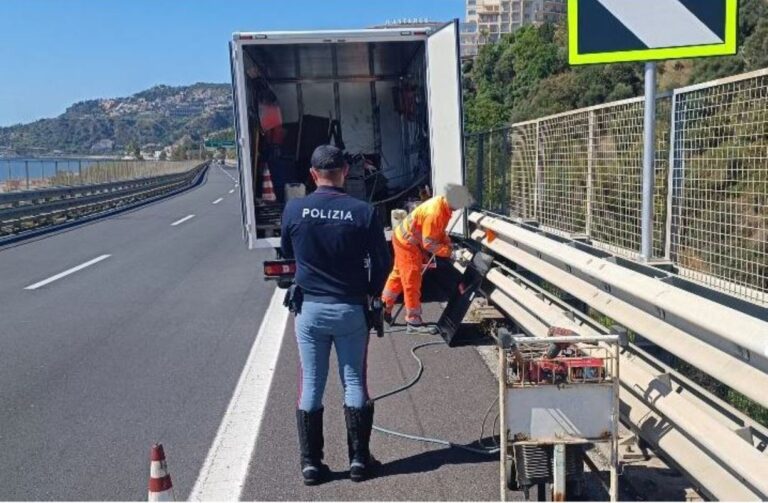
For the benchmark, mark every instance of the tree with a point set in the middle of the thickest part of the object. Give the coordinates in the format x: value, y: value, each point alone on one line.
x: 133, y: 150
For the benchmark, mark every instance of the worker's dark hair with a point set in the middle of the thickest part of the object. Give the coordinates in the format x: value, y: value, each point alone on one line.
x: 327, y: 157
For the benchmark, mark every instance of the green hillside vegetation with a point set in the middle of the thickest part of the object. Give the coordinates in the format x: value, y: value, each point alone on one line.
x: 161, y: 116
x: 526, y: 75
x: 721, y: 227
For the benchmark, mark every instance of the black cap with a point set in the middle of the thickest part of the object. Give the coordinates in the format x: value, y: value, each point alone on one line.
x: 327, y: 157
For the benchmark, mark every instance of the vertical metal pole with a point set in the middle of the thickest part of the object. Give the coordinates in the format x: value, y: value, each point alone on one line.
x: 80, y: 171
x: 649, y: 155
x: 26, y: 172
x: 336, y: 92
x: 375, y: 111
x: 505, y: 172
x: 614, y: 493
x: 479, y: 174
x: 492, y: 203
x: 537, y: 177
x: 670, y: 179
x: 558, y: 472
x: 590, y: 171
x: 503, y: 423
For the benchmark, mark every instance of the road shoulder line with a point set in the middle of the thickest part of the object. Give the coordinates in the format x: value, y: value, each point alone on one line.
x: 225, y: 469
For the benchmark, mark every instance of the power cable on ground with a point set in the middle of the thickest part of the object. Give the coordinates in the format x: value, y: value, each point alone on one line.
x: 411, y: 383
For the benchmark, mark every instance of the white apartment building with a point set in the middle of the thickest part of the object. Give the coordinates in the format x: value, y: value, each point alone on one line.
x: 487, y: 20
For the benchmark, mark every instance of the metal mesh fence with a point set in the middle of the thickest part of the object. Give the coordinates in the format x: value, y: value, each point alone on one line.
x: 719, y: 224
x: 577, y: 173
x: 580, y: 173
x: 617, y: 176
x: 33, y: 174
x: 524, y: 159
x: 563, y: 147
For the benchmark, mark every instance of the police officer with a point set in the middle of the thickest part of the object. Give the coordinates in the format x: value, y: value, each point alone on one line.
x: 342, y: 258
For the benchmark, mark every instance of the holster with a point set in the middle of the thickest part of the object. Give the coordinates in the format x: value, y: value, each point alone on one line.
x: 294, y: 297
x: 374, y: 315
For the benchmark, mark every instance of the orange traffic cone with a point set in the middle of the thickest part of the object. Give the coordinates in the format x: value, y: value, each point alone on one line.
x: 267, y: 189
x: 160, y: 485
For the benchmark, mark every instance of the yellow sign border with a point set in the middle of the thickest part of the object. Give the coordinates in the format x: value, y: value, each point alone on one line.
x: 692, y: 51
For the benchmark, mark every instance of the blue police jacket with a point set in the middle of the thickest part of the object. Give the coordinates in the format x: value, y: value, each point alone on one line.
x: 332, y: 235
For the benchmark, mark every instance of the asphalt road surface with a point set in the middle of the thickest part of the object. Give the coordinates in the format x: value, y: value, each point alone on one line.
x: 142, y: 328
x: 121, y: 333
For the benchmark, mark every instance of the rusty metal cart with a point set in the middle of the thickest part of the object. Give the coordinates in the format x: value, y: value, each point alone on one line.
x: 556, y: 395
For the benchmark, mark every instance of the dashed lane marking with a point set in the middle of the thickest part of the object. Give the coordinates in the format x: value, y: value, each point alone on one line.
x: 218, y: 200
x: 182, y: 220
x: 66, y: 273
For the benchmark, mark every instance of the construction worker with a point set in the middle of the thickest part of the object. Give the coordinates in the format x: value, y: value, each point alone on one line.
x: 423, y: 230
x: 342, y: 257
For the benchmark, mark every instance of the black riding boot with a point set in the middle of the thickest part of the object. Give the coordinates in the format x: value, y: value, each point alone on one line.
x: 359, y: 424
x: 310, y: 426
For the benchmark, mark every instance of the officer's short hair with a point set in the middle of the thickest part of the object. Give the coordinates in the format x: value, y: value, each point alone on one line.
x: 327, y: 157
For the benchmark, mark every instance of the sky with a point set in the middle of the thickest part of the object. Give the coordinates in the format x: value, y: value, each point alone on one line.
x: 54, y: 53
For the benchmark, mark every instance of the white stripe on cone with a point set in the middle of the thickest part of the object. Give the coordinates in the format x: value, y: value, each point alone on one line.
x: 166, y: 495
x: 158, y: 474
x: 158, y: 469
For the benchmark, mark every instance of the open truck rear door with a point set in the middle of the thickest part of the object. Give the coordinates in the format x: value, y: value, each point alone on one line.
x: 446, y: 118
x: 240, y: 104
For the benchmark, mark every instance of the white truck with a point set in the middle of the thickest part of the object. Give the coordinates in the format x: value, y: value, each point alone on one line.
x: 390, y: 97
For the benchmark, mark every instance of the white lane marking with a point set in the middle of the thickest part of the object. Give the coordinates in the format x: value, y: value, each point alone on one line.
x: 218, y: 200
x: 231, y: 191
x: 225, y: 469
x: 182, y: 220
x: 662, y: 23
x: 230, y: 176
x: 67, y: 272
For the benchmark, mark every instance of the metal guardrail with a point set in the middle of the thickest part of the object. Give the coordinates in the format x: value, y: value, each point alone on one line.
x: 24, y: 210
x: 17, y: 174
x: 579, y: 173
x: 723, y: 451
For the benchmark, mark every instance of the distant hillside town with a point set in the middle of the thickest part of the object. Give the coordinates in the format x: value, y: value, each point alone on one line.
x: 150, y: 123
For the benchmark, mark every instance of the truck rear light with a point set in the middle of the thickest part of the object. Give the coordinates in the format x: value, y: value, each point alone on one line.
x: 279, y: 268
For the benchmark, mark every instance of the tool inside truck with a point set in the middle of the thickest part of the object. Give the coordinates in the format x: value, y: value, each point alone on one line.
x: 368, y: 98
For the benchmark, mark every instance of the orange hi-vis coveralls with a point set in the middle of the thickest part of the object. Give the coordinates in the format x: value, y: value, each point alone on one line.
x: 422, y: 230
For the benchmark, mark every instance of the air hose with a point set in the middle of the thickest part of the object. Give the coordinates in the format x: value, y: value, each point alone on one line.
x: 410, y: 384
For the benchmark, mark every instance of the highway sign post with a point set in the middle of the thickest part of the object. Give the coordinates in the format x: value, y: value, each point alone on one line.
x: 613, y: 31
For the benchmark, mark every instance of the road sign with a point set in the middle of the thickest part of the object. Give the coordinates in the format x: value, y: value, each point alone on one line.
x: 611, y: 31
x: 219, y: 143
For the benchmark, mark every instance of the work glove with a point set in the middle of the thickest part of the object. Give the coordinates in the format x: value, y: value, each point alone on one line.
x: 460, y: 255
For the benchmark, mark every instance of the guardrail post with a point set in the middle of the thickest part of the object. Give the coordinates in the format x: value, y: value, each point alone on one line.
x: 26, y: 172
